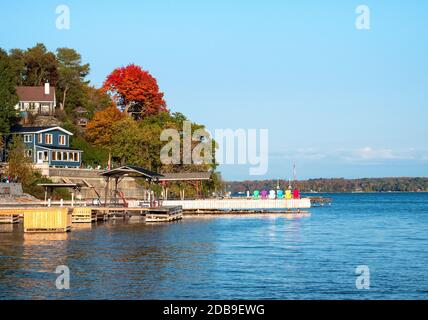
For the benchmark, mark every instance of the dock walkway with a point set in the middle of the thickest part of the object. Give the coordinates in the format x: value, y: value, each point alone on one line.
x: 240, y: 205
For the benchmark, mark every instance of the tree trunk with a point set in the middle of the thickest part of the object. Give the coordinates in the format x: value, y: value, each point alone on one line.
x: 109, y: 160
x: 127, y: 107
x: 64, y: 98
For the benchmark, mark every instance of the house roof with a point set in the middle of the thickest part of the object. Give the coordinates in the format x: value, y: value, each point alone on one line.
x: 29, y: 129
x: 132, y: 171
x: 186, y: 176
x: 23, y: 130
x: 35, y: 94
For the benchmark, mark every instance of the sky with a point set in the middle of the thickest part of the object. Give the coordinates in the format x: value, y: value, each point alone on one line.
x: 337, y: 101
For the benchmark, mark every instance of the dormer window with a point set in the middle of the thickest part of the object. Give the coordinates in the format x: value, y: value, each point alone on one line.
x: 40, y: 138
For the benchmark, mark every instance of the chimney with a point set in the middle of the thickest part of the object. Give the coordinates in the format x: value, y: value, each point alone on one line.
x: 47, y: 88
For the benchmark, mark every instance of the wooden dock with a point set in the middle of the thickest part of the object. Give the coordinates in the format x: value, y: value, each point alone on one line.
x: 48, y: 220
x: 247, y: 212
x: 160, y: 214
x: 83, y: 215
x: 9, y: 219
x: 241, y: 205
x: 60, y: 219
x: 164, y: 214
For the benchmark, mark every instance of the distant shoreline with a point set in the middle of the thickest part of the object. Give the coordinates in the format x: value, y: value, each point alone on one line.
x: 368, y: 192
x: 336, y: 185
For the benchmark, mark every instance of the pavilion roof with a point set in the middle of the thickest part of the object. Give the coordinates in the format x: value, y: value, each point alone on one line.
x: 132, y: 171
x: 186, y: 176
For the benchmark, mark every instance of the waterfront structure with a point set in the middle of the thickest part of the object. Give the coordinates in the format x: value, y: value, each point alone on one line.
x: 118, y: 174
x: 240, y: 205
x: 195, y: 179
x: 40, y: 100
x: 49, y: 146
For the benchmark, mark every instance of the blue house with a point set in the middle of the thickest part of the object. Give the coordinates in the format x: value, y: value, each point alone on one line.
x: 49, y: 145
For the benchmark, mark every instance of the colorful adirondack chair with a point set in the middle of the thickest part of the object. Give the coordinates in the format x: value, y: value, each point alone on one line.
x: 256, y: 194
x: 296, y: 194
x: 264, y: 194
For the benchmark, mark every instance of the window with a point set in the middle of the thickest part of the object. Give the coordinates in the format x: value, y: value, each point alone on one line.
x: 40, y: 138
x: 28, y: 153
x: 62, y: 140
x: 59, y: 156
x: 65, y: 156
x: 76, y: 156
x: 28, y: 138
x: 48, y: 139
x: 54, y: 156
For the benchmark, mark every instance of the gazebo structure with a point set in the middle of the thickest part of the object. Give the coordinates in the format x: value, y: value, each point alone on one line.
x: 50, y: 187
x: 119, y: 174
x: 193, y: 178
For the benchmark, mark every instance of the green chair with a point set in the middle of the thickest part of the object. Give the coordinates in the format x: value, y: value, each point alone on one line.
x: 256, y: 194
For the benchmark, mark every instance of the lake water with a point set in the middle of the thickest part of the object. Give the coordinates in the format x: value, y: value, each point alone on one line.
x: 311, y: 257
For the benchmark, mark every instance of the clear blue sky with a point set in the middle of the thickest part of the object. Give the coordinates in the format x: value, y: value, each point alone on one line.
x: 339, y: 102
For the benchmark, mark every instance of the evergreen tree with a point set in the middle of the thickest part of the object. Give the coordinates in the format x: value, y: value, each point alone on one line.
x: 8, y: 97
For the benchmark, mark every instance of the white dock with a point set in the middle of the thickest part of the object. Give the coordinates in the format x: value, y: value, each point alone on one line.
x: 240, y: 204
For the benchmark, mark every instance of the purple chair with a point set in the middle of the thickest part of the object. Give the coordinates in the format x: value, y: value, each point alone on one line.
x: 265, y: 194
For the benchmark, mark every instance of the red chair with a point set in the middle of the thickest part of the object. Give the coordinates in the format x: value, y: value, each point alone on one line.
x: 296, y: 194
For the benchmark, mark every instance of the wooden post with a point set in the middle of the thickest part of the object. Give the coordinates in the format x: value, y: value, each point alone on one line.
x: 46, y: 196
x: 106, y: 191
x: 116, y: 182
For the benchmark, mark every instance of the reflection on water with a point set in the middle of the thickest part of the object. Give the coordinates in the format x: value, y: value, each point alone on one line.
x: 6, y: 228
x: 248, y: 257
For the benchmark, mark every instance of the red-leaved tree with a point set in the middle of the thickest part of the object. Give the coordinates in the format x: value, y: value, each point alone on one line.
x: 135, y: 91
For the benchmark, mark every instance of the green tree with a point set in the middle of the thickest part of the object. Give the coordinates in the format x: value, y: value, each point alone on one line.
x: 8, y: 97
x: 71, y: 71
x: 39, y: 65
x: 92, y: 155
x: 95, y: 100
x: 17, y: 62
x: 127, y: 143
x: 19, y: 166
